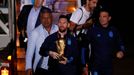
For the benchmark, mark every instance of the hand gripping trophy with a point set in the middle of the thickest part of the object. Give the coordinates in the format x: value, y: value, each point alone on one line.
x: 60, y: 47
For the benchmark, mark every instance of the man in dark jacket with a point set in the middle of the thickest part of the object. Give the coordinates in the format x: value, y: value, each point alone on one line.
x: 28, y: 19
x: 62, y: 50
x: 105, y: 42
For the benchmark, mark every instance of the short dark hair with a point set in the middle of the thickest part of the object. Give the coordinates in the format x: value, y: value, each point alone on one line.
x: 105, y: 10
x: 45, y: 10
x: 64, y: 16
x: 83, y: 2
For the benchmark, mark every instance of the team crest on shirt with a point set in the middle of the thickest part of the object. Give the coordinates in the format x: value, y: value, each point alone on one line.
x: 110, y: 34
x: 98, y: 35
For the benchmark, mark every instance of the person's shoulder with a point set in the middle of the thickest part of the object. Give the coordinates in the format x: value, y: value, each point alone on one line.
x: 54, y: 26
x: 113, y: 28
x: 80, y: 9
x: 26, y: 8
x: 54, y: 34
x: 70, y: 35
x: 52, y: 37
x: 37, y: 29
x: 94, y: 26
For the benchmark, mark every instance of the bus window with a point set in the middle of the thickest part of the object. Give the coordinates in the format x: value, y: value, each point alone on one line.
x: 4, y: 28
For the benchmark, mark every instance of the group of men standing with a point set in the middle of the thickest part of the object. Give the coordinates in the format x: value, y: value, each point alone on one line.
x: 63, y: 49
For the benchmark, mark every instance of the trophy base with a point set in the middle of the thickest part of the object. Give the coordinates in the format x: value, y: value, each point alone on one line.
x: 61, y: 58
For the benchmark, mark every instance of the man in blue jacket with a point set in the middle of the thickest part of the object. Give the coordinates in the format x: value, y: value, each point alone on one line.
x: 62, y: 62
x: 105, y: 42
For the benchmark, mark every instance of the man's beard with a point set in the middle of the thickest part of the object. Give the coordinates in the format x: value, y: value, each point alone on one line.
x: 62, y: 31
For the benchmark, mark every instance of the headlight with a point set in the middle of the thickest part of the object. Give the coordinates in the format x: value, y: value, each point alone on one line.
x: 9, y: 57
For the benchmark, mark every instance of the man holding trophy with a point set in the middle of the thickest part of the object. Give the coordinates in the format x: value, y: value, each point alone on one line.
x: 62, y: 49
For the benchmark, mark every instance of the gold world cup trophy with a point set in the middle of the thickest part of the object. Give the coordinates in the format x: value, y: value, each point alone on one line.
x: 60, y: 47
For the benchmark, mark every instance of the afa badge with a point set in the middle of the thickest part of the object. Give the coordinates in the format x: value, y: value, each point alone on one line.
x: 110, y: 34
x: 98, y: 35
x: 69, y: 41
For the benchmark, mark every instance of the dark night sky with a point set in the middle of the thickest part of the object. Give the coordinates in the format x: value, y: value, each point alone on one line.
x: 122, y: 19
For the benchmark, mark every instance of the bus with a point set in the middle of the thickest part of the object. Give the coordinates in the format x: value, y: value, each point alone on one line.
x: 7, y: 38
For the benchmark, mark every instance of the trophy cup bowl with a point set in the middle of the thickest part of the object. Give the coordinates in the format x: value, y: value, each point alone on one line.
x: 60, y: 47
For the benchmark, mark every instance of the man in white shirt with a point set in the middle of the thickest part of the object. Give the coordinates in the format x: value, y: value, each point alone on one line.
x: 36, y: 39
x: 80, y: 16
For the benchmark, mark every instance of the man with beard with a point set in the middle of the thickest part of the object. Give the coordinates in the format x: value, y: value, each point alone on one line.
x: 62, y: 49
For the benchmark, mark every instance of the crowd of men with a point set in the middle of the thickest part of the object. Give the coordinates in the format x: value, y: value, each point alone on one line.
x: 77, y: 45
